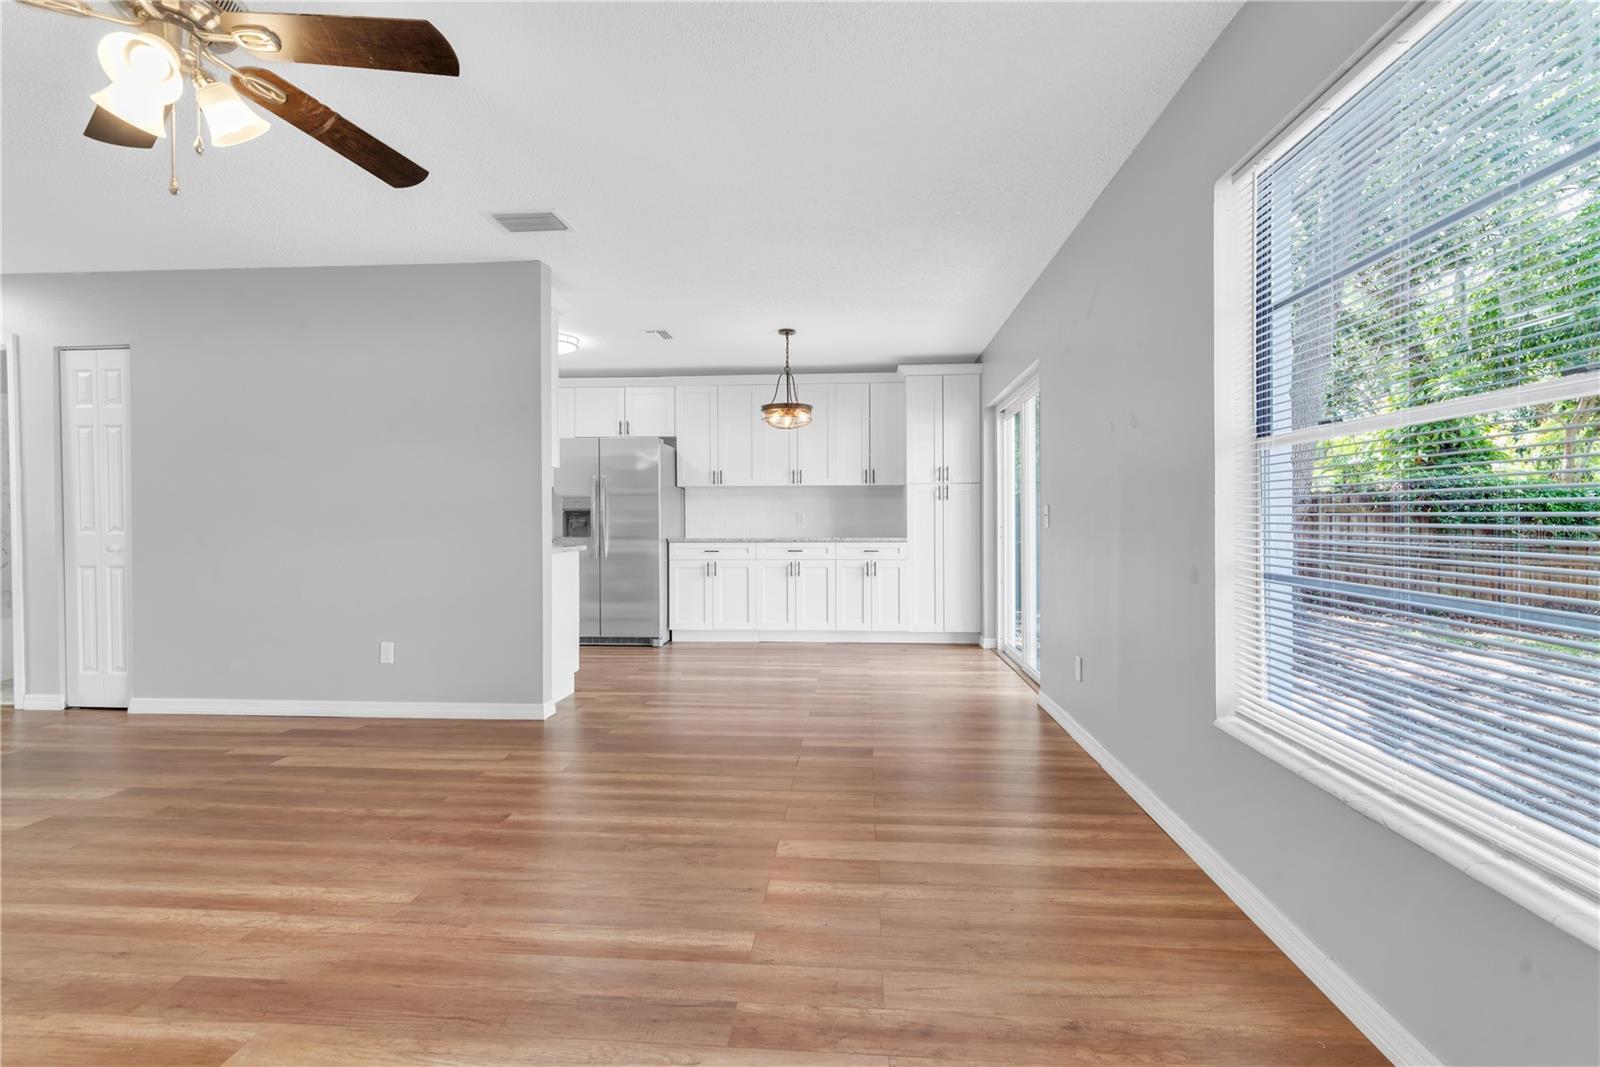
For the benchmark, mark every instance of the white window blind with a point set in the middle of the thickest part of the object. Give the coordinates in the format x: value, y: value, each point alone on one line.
x: 1414, y: 441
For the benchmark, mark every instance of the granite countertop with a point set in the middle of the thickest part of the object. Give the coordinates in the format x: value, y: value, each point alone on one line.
x: 774, y: 540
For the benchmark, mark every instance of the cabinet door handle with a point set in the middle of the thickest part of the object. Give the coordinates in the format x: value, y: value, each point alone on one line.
x: 874, y: 475
x: 627, y: 427
x: 863, y: 476
x: 802, y: 475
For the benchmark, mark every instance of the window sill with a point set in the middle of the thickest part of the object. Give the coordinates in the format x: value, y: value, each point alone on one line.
x: 1548, y: 897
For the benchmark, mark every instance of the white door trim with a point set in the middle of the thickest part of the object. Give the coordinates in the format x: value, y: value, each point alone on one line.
x: 19, y: 631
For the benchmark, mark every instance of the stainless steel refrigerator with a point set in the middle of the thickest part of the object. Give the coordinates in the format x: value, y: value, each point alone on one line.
x: 617, y: 497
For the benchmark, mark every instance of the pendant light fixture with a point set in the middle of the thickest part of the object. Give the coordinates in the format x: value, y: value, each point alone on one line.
x: 788, y: 413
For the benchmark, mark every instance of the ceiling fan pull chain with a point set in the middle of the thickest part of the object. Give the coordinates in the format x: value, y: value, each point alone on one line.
x: 172, y: 116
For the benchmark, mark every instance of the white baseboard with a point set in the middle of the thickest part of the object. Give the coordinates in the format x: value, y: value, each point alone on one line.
x: 986, y: 642
x: 841, y: 637
x: 358, y: 709
x: 1348, y: 995
x: 42, y: 702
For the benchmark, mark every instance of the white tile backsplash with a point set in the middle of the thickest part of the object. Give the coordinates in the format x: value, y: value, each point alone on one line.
x: 812, y: 511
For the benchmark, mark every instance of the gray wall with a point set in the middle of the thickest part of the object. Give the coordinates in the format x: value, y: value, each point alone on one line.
x: 1121, y: 321
x: 322, y: 459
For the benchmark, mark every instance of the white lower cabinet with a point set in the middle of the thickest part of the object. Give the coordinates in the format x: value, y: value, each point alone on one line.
x: 798, y: 588
x: 943, y: 530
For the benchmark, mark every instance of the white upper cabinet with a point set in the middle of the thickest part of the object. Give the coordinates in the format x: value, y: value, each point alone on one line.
x: 943, y: 429
x: 738, y: 415
x: 616, y: 411
x: 886, y: 435
x: 696, y: 416
x: 812, y: 451
x: 598, y: 411
x: 849, y: 435
x: 963, y: 428
x: 773, y: 461
x: 565, y: 399
x: 648, y: 411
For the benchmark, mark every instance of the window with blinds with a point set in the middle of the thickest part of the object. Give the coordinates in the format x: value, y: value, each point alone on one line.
x: 1414, y: 441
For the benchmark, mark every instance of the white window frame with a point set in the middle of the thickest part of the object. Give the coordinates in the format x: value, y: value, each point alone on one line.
x: 1428, y: 814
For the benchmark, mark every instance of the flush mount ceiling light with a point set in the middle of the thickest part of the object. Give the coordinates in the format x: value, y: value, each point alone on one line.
x: 567, y: 344
x: 167, y: 43
x: 788, y: 413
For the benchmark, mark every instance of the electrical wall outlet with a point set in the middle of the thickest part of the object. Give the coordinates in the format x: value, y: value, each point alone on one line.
x: 1047, y: 516
x: 385, y: 651
x: 1077, y: 668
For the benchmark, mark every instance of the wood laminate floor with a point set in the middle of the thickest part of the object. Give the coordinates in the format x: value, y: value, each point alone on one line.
x: 758, y: 854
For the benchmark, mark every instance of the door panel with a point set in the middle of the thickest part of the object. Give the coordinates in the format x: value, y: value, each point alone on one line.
x: 597, y: 411
x: 962, y: 559
x: 648, y: 411
x: 774, y: 453
x: 565, y: 401
x: 736, y: 595
x: 691, y: 602
x: 814, y: 592
x: 738, y: 414
x: 849, y: 437
x: 924, y: 512
x: 813, y: 443
x: 95, y: 498
x: 890, y: 610
x: 854, y: 595
x: 696, y: 413
x: 630, y: 538
x: 887, y: 429
x: 775, y: 595
x: 578, y: 476
x: 924, y: 418
x: 962, y: 428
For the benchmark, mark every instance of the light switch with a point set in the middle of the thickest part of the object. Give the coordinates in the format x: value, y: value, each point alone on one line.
x: 1047, y: 516
x: 1077, y: 667
x: 385, y: 651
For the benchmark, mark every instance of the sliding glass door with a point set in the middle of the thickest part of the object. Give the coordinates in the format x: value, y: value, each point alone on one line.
x: 1018, y: 452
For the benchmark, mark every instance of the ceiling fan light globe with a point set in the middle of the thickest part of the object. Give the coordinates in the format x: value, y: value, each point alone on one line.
x: 229, y: 119
x: 142, y: 62
x: 133, y: 107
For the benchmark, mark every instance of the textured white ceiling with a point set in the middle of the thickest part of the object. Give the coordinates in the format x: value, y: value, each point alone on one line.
x: 887, y: 178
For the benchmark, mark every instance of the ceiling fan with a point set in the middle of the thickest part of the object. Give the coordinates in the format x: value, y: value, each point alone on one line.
x: 164, y: 43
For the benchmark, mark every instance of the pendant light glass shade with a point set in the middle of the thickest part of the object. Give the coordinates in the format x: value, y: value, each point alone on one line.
x: 788, y: 413
x: 229, y: 119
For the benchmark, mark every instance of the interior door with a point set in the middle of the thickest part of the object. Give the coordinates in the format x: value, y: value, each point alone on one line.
x: 95, y: 501
x: 887, y: 426
x: 924, y: 420
x: 648, y: 411
x: 630, y: 537
x: 695, y: 416
x: 963, y: 430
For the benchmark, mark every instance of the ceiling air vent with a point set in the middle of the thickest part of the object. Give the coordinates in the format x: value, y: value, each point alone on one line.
x: 663, y: 334
x: 531, y: 222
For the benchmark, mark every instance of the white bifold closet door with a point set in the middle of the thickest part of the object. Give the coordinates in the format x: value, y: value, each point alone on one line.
x: 95, y: 483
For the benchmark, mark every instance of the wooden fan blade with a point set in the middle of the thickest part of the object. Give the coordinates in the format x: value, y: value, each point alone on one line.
x: 321, y: 122
x: 104, y: 126
x: 412, y: 45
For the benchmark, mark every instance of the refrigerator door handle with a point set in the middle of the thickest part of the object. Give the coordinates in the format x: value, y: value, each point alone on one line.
x: 605, y: 519
x: 594, y: 516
